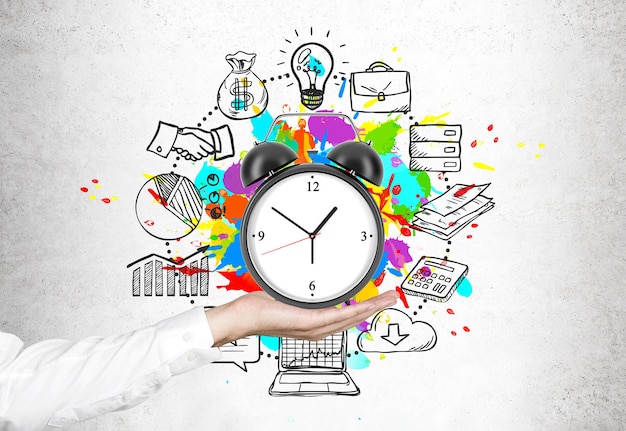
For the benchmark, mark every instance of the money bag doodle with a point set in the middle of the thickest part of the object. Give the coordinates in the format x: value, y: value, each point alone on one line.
x: 242, y: 95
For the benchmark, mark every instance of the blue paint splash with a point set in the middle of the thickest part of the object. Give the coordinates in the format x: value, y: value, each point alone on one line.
x: 261, y: 124
x: 342, y: 88
x: 358, y: 361
x: 465, y: 288
x: 317, y: 66
x: 271, y: 343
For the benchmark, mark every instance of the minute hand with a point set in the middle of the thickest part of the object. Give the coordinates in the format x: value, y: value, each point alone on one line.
x: 330, y: 214
x: 295, y: 224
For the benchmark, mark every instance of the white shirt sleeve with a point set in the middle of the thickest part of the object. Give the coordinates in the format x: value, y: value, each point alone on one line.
x: 58, y: 382
x: 164, y: 138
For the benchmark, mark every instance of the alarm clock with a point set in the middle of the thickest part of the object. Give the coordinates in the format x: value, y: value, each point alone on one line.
x: 312, y: 235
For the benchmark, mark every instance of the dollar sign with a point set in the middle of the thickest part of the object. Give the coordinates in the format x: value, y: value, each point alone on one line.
x: 242, y: 99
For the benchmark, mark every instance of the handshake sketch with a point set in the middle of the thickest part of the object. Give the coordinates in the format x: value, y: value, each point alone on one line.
x: 192, y: 143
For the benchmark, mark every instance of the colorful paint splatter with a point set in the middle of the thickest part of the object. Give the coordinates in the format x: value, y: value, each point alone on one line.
x: 402, y: 194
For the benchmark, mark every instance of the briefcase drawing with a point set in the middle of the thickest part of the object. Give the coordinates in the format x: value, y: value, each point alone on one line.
x: 380, y: 89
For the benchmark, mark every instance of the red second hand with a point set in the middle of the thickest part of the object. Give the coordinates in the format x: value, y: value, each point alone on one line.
x: 291, y: 243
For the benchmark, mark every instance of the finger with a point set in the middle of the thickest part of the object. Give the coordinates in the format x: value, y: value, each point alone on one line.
x: 187, y: 130
x: 340, y: 319
x: 205, y: 151
x: 197, y: 133
x: 355, y: 311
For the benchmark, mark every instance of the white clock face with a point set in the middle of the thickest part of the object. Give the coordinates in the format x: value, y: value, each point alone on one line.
x: 312, y: 235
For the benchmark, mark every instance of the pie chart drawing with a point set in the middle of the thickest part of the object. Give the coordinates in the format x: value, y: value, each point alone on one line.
x: 169, y: 206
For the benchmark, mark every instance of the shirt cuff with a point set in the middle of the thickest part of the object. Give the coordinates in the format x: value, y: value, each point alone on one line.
x: 164, y: 139
x: 189, y: 333
x: 223, y: 143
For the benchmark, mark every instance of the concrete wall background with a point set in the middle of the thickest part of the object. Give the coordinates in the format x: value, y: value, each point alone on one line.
x: 83, y: 85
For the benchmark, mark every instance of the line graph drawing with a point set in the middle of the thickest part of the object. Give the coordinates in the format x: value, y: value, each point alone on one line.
x: 312, y: 368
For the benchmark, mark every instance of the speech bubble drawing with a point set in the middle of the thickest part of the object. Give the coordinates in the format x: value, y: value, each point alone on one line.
x: 240, y: 352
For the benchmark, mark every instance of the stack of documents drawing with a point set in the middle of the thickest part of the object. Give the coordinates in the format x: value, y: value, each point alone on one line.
x: 448, y: 214
x: 435, y: 147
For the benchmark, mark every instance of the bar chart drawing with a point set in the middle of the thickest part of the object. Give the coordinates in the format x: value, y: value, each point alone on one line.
x: 156, y: 275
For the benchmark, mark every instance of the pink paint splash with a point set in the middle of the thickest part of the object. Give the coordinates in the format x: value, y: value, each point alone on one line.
x: 335, y: 129
x: 232, y: 181
x: 397, y: 252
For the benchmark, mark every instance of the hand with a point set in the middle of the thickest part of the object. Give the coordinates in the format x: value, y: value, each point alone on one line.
x: 257, y: 313
x: 190, y: 145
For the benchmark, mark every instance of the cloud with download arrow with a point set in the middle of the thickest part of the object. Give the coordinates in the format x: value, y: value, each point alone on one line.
x: 393, y: 331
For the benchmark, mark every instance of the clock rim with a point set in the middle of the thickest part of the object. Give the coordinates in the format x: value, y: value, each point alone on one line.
x: 316, y: 168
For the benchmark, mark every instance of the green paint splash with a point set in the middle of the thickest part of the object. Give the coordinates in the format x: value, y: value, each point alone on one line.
x: 383, y: 137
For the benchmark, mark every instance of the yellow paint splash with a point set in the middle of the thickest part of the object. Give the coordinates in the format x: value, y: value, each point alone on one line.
x: 113, y: 198
x: 521, y: 145
x: 394, y: 49
x: 434, y: 119
x: 382, y: 356
x: 369, y: 291
x: 481, y: 165
x: 92, y: 197
x: 218, y: 227
x: 384, y: 317
x: 540, y: 145
x: 370, y: 102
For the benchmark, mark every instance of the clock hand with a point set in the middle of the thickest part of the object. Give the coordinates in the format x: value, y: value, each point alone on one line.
x: 328, y: 216
x: 317, y: 232
x: 287, y: 245
x: 293, y: 222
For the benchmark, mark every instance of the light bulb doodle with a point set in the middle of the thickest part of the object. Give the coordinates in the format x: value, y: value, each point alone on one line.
x: 312, y: 64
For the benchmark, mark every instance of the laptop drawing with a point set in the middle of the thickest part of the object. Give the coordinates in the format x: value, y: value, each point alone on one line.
x: 309, y: 368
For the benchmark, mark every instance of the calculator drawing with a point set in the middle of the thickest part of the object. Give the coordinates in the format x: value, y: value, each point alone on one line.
x: 434, y: 278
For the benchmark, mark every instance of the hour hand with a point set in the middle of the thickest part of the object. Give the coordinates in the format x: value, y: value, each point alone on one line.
x: 293, y: 222
x: 328, y: 216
